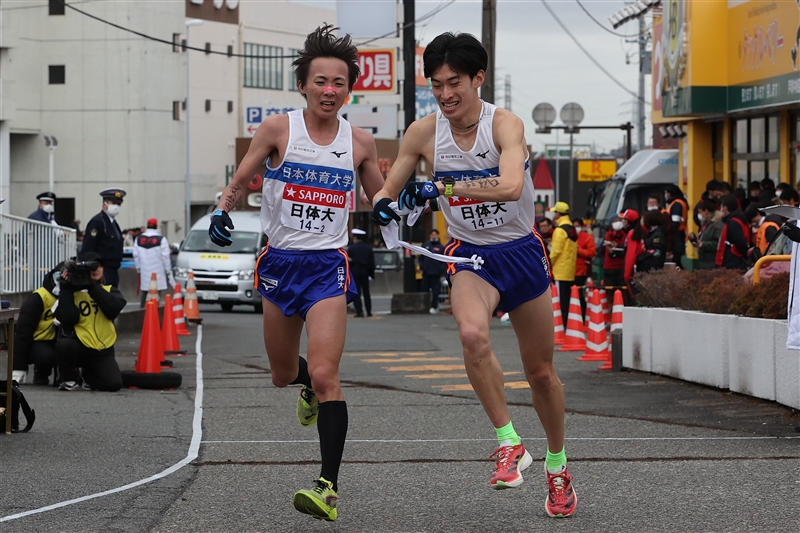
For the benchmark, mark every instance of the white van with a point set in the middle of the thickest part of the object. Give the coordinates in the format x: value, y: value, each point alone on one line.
x: 223, y: 275
x: 646, y: 172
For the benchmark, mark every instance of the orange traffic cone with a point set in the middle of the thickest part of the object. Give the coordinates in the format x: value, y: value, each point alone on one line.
x: 576, y: 334
x: 587, y: 298
x: 616, y: 315
x: 192, y: 307
x: 169, y: 335
x: 152, y: 290
x: 604, y: 304
x: 177, y: 312
x: 597, y: 341
x: 559, y: 337
x: 150, y: 351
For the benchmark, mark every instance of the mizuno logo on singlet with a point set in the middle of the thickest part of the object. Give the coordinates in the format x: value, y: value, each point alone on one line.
x: 483, y: 155
x: 338, y: 154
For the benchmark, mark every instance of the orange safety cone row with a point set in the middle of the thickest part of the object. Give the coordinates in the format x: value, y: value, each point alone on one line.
x: 576, y: 334
x: 616, y: 323
x: 604, y: 304
x: 152, y: 289
x: 169, y: 335
x: 191, y: 305
x: 587, y: 297
x: 560, y: 338
x: 177, y: 312
x: 597, y: 340
x: 150, y: 353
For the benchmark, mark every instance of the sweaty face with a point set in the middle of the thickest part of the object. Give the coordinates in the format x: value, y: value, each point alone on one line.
x: 326, y: 87
x: 455, y: 91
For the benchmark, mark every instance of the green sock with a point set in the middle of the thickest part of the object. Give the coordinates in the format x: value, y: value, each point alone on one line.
x: 555, y: 461
x: 507, y: 433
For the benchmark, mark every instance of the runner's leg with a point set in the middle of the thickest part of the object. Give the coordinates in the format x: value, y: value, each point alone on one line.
x: 282, y: 341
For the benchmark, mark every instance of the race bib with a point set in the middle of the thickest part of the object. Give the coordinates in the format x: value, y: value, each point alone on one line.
x: 313, y: 209
x: 472, y: 214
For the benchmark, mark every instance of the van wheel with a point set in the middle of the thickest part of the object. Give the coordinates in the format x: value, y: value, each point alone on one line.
x: 227, y: 307
x: 259, y: 308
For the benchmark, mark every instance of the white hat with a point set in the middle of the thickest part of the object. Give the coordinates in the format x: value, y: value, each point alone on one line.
x: 357, y: 231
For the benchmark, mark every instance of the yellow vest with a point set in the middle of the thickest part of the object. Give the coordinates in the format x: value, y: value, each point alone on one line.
x: 94, y: 329
x: 45, y: 330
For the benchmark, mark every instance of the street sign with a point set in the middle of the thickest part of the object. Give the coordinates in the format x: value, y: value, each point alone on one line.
x: 544, y: 115
x: 255, y: 115
x: 378, y: 73
x: 571, y: 114
x: 596, y: 170
x: 380, y: 120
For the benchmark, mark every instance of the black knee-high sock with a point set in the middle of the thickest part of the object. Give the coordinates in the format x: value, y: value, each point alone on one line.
x: 303, y: 377
x: 332, y: 427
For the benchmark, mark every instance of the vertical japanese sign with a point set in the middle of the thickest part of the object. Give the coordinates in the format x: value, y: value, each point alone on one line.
x: 378, y: 73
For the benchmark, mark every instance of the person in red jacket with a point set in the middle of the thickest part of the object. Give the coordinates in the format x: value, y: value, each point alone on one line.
x: 614, y: 260
x: 634, y: 245
x: 583, y: 263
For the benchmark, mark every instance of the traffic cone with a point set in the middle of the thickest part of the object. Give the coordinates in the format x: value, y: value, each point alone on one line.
x: 587, y: 298
x: 597, y: 341
x: 169, y: 335
x: 177, y: 312
x: 152, y: 290
x: 559, y: 337
x: 604, y: 305
x: 616, y: 315
x: 192, y: 307
x: 576, y: 333
x: 150, y: 351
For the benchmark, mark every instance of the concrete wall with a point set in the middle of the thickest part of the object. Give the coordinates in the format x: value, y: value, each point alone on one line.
x: 745, y: 355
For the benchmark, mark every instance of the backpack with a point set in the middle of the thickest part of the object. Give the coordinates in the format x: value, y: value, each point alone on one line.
x: 17, y: 400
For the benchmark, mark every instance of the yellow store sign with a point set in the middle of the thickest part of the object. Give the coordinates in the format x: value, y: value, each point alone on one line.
x: 596, y: 170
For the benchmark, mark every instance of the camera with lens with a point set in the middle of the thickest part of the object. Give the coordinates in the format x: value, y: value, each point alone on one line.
x: 78, y: 273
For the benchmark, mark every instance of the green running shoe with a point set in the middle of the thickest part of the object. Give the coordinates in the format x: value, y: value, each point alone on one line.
x: 307, y: 406
x: 319, y: 502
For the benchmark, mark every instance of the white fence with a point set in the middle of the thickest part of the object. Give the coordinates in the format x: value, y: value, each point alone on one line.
x: 29, y: 249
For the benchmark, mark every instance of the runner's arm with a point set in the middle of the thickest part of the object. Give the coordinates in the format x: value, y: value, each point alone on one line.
x: 261, y: 146
x: 368, y: 172
x: 409, y: 155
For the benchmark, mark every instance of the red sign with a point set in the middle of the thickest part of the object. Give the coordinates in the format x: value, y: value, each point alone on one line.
x: 313, y: 195
x: 378, y: 73
x: 419, y: 68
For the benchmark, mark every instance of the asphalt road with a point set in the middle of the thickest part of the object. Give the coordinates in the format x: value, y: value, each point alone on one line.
x: 648, y: 453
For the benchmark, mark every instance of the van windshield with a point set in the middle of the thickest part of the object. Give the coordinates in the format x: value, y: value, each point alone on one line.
x: 244, y: 242
x: 609, y: 200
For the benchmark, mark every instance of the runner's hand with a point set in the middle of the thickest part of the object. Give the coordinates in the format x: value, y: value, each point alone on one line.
x: 218, y: 232
x: 382, y: 214
x: 416, y: 193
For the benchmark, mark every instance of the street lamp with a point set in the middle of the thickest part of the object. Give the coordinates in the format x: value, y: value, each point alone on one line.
x: 188, y: 181
x: 51, y: 142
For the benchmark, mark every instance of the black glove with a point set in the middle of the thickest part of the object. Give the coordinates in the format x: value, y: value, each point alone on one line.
x: 416, y: 193
x: 217, y: 230
x: 792, y: 231
x: 382, y: 214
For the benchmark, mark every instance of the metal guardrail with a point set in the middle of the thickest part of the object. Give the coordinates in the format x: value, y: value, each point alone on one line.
x: 29, y: 249
x: 767, y: 259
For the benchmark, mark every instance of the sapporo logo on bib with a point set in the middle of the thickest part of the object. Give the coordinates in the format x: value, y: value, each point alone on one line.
x: 315, y: 198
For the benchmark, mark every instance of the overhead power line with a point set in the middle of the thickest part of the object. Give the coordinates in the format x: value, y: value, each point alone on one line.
x: 426, y: 16
x: 586, y: 52
x: 612, y: 32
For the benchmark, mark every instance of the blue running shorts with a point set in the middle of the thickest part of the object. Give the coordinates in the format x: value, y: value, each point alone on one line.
x: 519, y: 269
x: 295, y: 280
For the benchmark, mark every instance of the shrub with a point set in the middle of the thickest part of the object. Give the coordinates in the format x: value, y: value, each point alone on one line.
x: 717, y: 291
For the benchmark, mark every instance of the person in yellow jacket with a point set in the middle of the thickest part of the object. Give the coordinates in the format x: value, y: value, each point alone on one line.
x: 563, y: 254
x: 85, y: 314
x: 35, y: 333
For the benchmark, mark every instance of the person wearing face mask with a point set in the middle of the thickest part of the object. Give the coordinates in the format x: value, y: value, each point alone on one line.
x: 654, y: 204
x: 583, y: 265
x: 654, y: 244
x: 678, y: 211
x: 103, y: 234
x: 735, y: 239
x: 614, y: 259
x: 707, y: 239
x: 432, y: 271
x: 763, y: 228
x: 45, y: 211
x: 633, y: 247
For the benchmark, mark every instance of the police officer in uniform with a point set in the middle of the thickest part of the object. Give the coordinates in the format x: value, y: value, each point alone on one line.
x: 104, y: 236
x: 362, y: 267
x: 44, y: 213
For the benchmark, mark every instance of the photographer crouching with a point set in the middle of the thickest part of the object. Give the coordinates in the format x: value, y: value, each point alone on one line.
x: 85, y: 312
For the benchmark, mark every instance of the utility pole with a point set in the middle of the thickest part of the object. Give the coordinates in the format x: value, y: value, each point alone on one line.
x: 640, y: 103
x: 409, y: 108
x: 488, y: 29
x: 507, y: 92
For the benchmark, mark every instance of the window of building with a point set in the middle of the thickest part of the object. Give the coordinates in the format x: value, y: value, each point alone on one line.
x: 56, y: 7
x: 208, y: 106
x: 176, y: 110
x: 263, y: 66
x: 57, y: 74
x: 230, y: 106
x: 756, y: 154
x: 176, y: 42
x: 292, y: 80
x: 795, y: 161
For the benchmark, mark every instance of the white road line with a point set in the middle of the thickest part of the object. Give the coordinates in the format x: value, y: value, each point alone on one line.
x: 412, y: 441
x: 194, y: 447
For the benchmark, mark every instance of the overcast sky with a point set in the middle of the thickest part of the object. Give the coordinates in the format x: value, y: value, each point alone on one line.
x: 546, y: 65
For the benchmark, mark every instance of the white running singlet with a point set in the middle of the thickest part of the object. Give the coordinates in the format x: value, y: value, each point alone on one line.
x: 477, y: 221
x: 305, y: 202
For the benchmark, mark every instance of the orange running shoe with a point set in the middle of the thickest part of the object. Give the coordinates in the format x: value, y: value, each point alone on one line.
x: 561, y: 499
x: 511, y: 461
